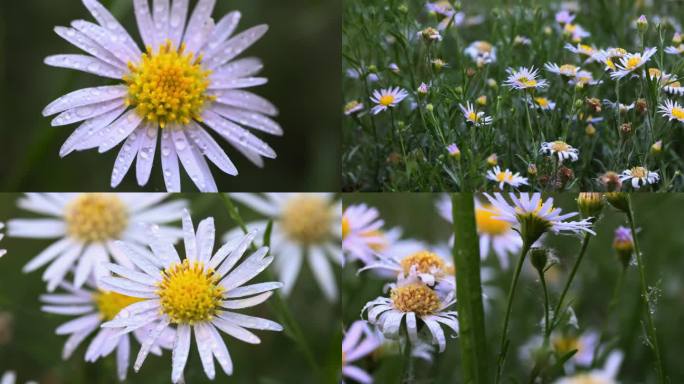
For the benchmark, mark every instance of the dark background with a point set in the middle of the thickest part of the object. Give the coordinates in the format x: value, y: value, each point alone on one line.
x: 301, y: 55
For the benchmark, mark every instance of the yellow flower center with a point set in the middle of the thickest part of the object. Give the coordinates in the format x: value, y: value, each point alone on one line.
x: 386, y: 100
x: 306, y: 219
x: 168, y: 86
x: 189, y: 293
x: 587, y: 50
x: 654, y: 72
x: 472, y: 116
x: 346, y: 227
x: 504, y: 176
x: 487, y: 224
x: 93, y: 217
x: 417, y: 298
x: 379, y: 242
x: 424, y: 262
x: 109, y: 304
x: 633, y: 62
x: 675, y: 84
x: 564, y: 345
x: 609, y: 63
x: 542, y: 101
x: 569, y: 28
x: 483, y: 47
x: 527, y: 81
x: 568, y: 69
x: 559, y: 146
x: 678, y: 113
x: 639, y: 172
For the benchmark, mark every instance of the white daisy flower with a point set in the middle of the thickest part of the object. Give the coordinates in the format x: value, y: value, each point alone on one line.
x: 185, y: 82
x: 506, y: 177
x: 605, y: 375
x: 672, y: 110
x: 527, y: 208
x: 673, y: 88
x: 542, y: 103
x: 584, y: 78
x: 87, y: 225
x: 675, y: 50
x: 414, y: 301
x: 2, y: 251
x: 474, y: 117
x: 304, y: 224
x: 482, y: 52
x: 387, y: 98
x: 560, y: 149
x: 576, y: 32
x: 93, y: 307
x: 639, y: 176
x: 609, y: 56
x: 567, y: 70
x: 623, y: 108
x: 196, y: 293
x: 362, y: 234
x: 353, y: 107
x: 524, y: 78
x: 497, y: 236
x: 10, y: 377
x: 583, y: 50
x: 428, y: 267
x: 631, y: 62
x: 564, y: 17
x: 454, y: 151
x: 359, y: 341
x: 430, y: 34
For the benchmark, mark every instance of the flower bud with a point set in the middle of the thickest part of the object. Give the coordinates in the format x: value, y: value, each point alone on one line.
x: 532, y: 169
x: 423, y: 89
x: 539, y: 257
x: 372, y: 69
x: 454, y: 151
x: 491, y: 83
x: 403, y: 8
x: 438, y: 64
x: 430, y: 34
x: 619, y: 201
x: 611, y: 181
x: 641, y: 106
x: 642, y: 24
x: 482, y: 100
x: 492, y: 160
x: 429, y: 107
x: 590, y: 130
x: 590, y: 204
x: 626, y: 129
x: 657, y: 148
x: 623, y: 243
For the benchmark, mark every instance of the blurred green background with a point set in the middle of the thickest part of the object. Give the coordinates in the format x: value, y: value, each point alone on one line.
x: 662, y: 242
x: 28, y: 343
x: 301, y: 55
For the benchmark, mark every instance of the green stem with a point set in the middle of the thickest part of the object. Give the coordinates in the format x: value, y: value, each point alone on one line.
x: 583, y: 250
x: 291, y: 326
x: 660, y: 371
x: 547, y: 326
x: 472, y: 339
x: 409, y: 375
x: 503, y: 345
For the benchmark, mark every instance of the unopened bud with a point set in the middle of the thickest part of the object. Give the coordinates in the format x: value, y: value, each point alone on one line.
x: 619, y: 201
x: 623, y: 243
x: 539, y: 257
x: 532, y: 169
x: 657, y: 148
x: 590, y: 204
x: 642, y: 24
x: 492, y: 160
x: 590, y: 130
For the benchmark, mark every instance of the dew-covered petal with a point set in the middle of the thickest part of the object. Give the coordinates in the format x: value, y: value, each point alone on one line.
x: 85, y: 63
x: 107, y: 40
x: 126, y: 155
x: 246, y: 303
x: 181, y: 348
x: 148, y: 146
x: 204, y: 341
x: 243, y: 138
x: 169, y: 160
x: 179, y: 12
x: 251, y: 322
x: 239, y: 83
x: 253, y: 289
x: 145, y: 24
x: 86, y: 112
x: 224, y: 28
x: 149, y: 342
x: 85, y: 96
x: 160, y: 13
x: 236, y: 252
x: 235, y: 46
x: 188, y: 159
x: 250, y: 119
x: 236, y: 331
x: 89, y: 46
x: 206, y: 234
x: 201, y: 15
x: 109, y: 22
x: 246, y: 100
x: 90, y: 133
x: 221, y: 351
x: 246, y: 271
x: 210, y: 148
x: 120, y: 129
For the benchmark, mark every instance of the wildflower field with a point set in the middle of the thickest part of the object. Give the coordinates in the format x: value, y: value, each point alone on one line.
x: 79, y: 306
x: 591, y: 302
x: 512, y: 95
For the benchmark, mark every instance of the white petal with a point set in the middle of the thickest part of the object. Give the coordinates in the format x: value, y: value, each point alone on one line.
x: 238, y: 135
x: 249, y: 119
x: 289, y: 269
x: 236, y: 252
x: 89, y: 46
x: 148, y: 146
x: 55, y: 273
x: 90, y: 133
x: 86, y: 64
x: 130, y: 274
x: 122, y: 355
x: 68, y: 310
x: 221, y: 351
x: 323, y: 272
x: 248, y: 66
x: 187, y: 158
x: 39, y: 203
x: 145, y: 24
x: 246, y: 100
x: 236, y: 331
x: 204, y: 341
x: 200, y: 16
x: 161, y: 9
x: 246, y: 271
x: 206, y: 234
x: 169, y: 163
x: 120, y: 129
x: 181, y: 348
x: 85, y: 96
x: 126, y: 155
x: 149, y: 342
x: 79, y: 324
x: 235, y: 46
x: 246, y: 303
x: 107, y: 40
x: 253, y: 289
x: 239, y: 83
x: 86, y: 112
x: 251, y: 322
x: 85, y: 265
x: 209, y: 148
x: 109, y: 22
x: 74, y: 341
x: 179, y: 12
x: 225, y: 27
x: 48, y: 254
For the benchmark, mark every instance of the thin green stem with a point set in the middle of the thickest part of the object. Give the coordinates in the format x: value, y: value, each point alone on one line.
x: 409, y: 375
x: 547, y: 326
x: 653, y: 337
x: 503, y: 344
x: 583, y: 250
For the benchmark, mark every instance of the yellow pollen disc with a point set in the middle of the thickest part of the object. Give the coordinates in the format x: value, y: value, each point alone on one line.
x: 570, y: 28
x: 483, y: 47
x: 386, y: 100
x: 560, y: 146
x: 568, y: 69
x: 654, y: 72
x: 504, y: 176
x: 542, y: 101
x: 109, y: 304
x: 424, y: 262
x: 586, y: 49
x: 487, y: 224
x: 527, y: 82
x: 610, y: 64
x: 678, y: 113
x: 189, y: 293
x: 619, y: 52
x: 379, y: 242
x: 639, y: 172
x: 346, y: 227
x: 417, y: 298
x: 564, y: 345
x: 633, y: 62
x: 675, y: 84
x: 306, y: 219
x: 93, y: 217
x: 168, y: 86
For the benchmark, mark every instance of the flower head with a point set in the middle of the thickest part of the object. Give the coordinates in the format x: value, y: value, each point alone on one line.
x: 87, y: 225
x: 186, y: 83
x: 542, y: 103
x: 198, y: 292
x: 362, y: 234
x: 631, y: 62
x: 568, y: 70
x: 482, y: 52
x: 524, y: 78
x: 353, y: 107
x: 672, y: 110
x: 623, y: 243
x: 535, y: 216
x: 387, y: 98
x: 454, y: 151
x: 506, y: 177
x: 639, y: 177
x: 359, y: 341
x: 560, y: 149
x: 474, y: 117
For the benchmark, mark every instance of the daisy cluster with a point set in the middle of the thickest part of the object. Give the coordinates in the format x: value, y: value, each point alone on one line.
x: 114, y: 270
x: 553, y: 107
